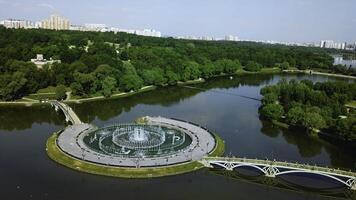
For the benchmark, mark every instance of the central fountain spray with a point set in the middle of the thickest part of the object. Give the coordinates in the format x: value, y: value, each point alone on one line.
x: 139, y: 135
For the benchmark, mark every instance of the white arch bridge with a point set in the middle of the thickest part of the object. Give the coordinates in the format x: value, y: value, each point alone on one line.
x: 276, y: 168
x: 68, y: 112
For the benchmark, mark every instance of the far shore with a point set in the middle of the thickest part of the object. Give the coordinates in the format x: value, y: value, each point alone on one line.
x: 318, y: 73
x: 32, y: 102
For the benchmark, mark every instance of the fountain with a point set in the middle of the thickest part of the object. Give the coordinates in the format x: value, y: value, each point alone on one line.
x: 139, y: 135
x: 134, y: 140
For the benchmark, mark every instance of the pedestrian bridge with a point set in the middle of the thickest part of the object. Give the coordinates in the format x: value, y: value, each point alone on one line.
x: 275, y: 168
x: 68, y: 112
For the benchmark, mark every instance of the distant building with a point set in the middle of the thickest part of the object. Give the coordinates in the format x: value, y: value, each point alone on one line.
x: 231, y: 38
x: 329, y: 44
x: 17, y: 23
x: 96, y: 27
x: 56, y: 22
x: 148, y: 32
x: 77, y: 28
x: 39, y: 61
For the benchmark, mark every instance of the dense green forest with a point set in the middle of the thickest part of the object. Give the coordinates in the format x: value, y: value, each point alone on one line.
x: 312, y: 106
x: 94, y: 63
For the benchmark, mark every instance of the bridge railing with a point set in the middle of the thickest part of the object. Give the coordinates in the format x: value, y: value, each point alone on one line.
x: 66, y: 110
x: 284, y: 164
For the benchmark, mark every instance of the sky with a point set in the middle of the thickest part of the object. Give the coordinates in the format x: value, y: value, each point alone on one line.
x: 279, y: 20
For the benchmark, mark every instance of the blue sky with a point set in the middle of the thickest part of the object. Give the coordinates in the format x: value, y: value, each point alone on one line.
x: 282, y: 20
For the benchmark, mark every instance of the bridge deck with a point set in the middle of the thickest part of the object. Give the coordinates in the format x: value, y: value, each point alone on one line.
x: 297, y: 166
x: 68, y: 112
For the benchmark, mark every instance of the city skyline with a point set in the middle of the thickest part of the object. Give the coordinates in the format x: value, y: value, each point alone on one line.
x: 328, y: 20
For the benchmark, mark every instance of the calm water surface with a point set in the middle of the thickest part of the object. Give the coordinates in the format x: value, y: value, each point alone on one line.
x: 27, y: 173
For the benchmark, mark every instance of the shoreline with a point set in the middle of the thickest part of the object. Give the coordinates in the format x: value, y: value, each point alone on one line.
x: 32, y: 102
x: 311, y: 72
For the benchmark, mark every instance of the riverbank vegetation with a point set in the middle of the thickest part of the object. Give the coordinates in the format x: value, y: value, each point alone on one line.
x: 312, y: 107
x: 102, y: 64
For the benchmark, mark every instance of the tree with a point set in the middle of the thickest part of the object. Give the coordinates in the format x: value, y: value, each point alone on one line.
x: 124, y: 55
x: 108, y: 86
x: 295, y: 115
x: 60, y: 92
x: 130, y: 82
x: 172, y: 77
x: 153, y: 77
x: 313, y: 120
x: 77, y: 88
x: 207, y: 70
x: 253, y: 66
x: 228, y: 66
x: 269, y: 98
x: 15, y: 87
x: 86, y: 82
x: 272, y: 111
x: 191, y: 71
x: 284, y: 66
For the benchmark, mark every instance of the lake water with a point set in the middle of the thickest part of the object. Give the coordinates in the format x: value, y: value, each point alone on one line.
x: 220, y: 104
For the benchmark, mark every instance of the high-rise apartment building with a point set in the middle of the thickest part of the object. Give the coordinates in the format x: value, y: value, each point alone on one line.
x: 56, y: 22
x: 329, y: 44
x: 17, y: 23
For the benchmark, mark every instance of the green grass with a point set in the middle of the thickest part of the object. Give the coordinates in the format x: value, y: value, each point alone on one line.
x: 49, y: 89
x: 39, y: 96
x: 270, y: 70
x: 219, y: 147
x: 60, y: 157
x: 115, y: 95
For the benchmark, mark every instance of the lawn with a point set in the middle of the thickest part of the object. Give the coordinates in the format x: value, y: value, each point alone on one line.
x: 219, y: 147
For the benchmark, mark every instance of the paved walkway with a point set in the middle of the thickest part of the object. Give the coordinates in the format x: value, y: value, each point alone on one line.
x: 71, y: 142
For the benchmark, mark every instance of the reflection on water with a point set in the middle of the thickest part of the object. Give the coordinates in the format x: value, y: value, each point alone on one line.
x: 24, y: 131
x: 296, y: 184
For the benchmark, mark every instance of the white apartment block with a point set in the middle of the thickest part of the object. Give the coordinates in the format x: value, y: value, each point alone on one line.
x: 56, y: 22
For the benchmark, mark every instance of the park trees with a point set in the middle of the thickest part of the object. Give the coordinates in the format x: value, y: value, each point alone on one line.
x: 313, y: 121
x: 295, y: 115
x: 270, y: 98
x: 108, y: 86
x: 313, y: 106
x: 172, y: 77
x: 253, y: 66
x: 191, y: 71
x: 157, y: 61
x: 272, y: 111
x: 130, y: 80
x: 60, y: 92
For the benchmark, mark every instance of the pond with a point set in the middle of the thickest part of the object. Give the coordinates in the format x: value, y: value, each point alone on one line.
x: 226, y: 106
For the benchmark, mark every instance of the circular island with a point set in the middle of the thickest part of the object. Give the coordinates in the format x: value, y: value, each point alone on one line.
x: 151, y: 147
